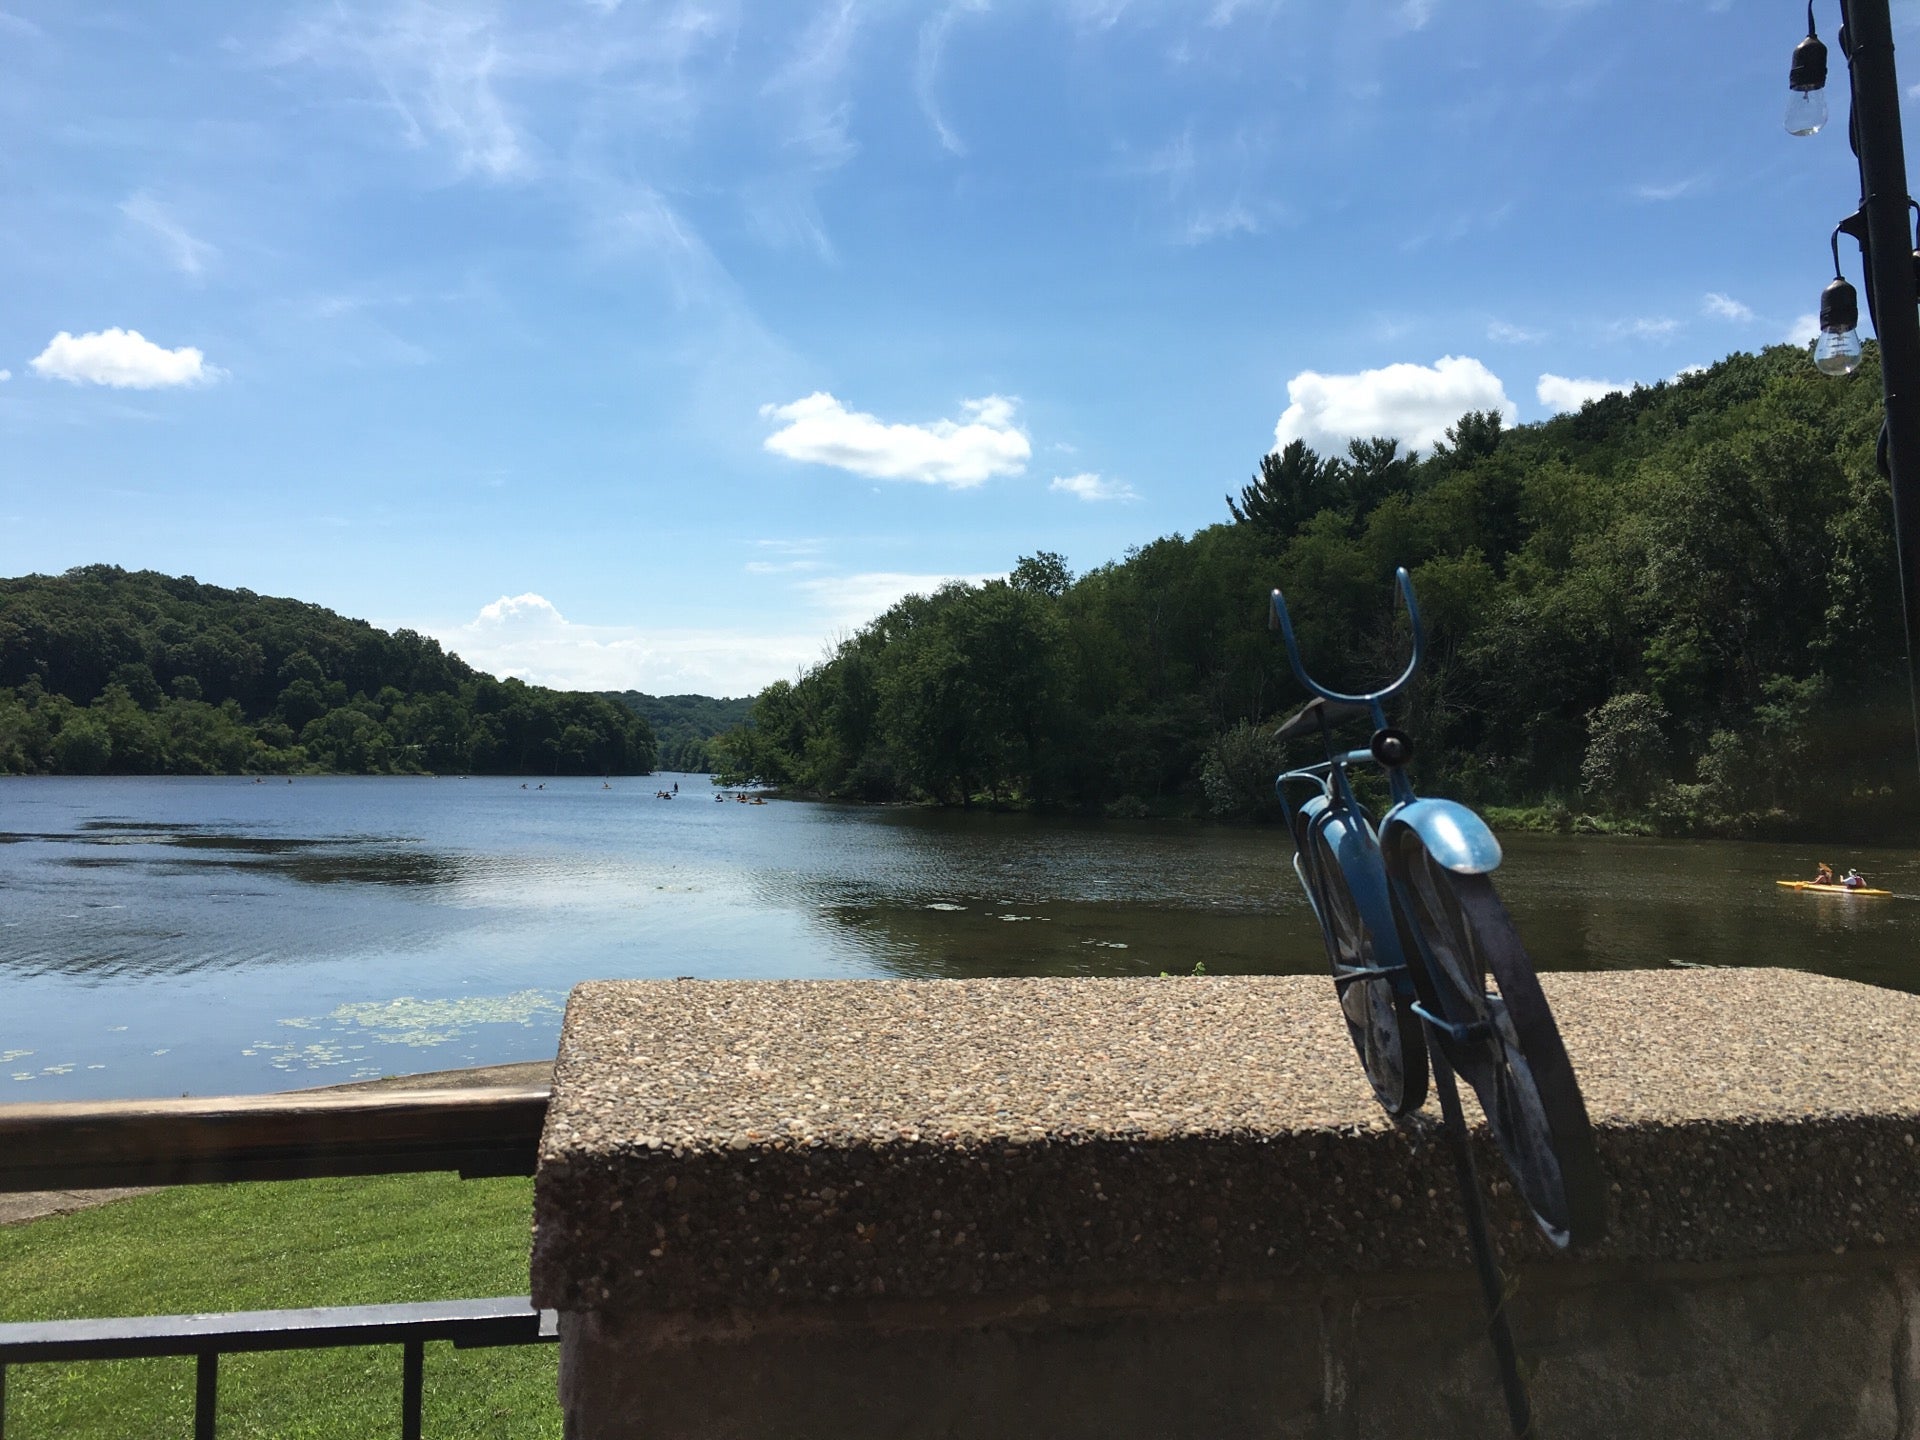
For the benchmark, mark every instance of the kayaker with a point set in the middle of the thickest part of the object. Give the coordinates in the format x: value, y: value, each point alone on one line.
x: 1825, y: 877
x: 1853, y: 880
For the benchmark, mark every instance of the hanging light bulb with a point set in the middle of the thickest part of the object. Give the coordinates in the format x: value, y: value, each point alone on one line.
x: 1807, y: 83
x: 1837, y: 351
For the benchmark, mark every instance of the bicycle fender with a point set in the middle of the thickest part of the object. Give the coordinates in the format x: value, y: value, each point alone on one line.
x: 1453, y: 835
x: 1358, y: 855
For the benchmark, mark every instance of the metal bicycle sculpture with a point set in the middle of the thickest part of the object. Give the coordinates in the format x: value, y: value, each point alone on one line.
x: 1427, y: 966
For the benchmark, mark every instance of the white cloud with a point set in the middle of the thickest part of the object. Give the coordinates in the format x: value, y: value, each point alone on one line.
x: 1559, y: 393
x: 124, y: 359
x: 184, y: 252
x: 1414, y: 404
x: 957, y: 453
x: 1090, y: 487
x: 1804, y: 331
x: 1506, y: 334
x: 1725, y: 307
x: 527, y: 636
x: 5, y: 375
x: 846, y: 602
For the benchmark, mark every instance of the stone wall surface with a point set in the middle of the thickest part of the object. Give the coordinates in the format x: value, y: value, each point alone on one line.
x: 1172, y: 1207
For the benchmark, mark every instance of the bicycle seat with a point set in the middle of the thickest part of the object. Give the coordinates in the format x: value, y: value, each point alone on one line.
x: 1318, y: 712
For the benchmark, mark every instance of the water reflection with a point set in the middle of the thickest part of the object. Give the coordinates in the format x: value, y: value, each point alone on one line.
x: 160, y: 936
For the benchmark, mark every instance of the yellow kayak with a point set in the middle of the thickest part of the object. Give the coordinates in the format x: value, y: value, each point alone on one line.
x: 1830, y: 889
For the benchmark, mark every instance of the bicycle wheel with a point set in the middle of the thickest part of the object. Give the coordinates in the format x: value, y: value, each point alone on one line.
x: 1520, y: 1070
x: 1387, y: 1036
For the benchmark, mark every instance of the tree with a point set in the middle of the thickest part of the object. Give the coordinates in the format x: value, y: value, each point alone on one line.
x: 1239, y: 772
x: 1290, y: 488
x: 1042, y: 573
x: 1627, y: 751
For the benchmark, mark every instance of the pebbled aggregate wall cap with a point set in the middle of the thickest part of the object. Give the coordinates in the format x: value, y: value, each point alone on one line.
x: 728, y: 1146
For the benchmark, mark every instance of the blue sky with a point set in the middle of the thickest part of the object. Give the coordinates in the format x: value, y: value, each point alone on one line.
x: 658, y: 343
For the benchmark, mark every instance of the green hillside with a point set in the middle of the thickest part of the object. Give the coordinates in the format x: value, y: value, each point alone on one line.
x: 1675, y: 609
x: 104, y: 670
x: 684, y: 723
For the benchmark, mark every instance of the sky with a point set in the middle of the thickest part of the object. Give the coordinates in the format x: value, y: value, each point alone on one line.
x: 660, y: 344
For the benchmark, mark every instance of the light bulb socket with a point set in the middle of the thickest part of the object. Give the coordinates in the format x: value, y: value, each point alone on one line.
x: 1839, y: 308
x: 1809, y: 70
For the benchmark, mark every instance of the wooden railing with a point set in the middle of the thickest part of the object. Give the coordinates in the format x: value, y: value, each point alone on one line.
x: 91, y: 1145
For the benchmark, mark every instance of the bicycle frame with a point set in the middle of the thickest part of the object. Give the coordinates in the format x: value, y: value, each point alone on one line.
x: 1456, y: 837
x: 1334, y: 823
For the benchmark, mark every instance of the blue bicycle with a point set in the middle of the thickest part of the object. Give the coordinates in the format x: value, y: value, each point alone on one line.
x: 1428, y: 968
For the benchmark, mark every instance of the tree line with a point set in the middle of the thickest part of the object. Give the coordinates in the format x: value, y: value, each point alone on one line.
x: 683, y: 724
x: 1675, y: 609
x: 104, y: 670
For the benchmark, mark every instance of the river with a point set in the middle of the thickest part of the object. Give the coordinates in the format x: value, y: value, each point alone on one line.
x: 168, y: 936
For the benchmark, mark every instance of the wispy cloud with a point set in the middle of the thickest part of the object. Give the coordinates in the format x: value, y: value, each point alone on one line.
x: 436, y: 70
x: 1725, y: 307
x: 1232, y: 219
x: 122, y: 359
x: 1093, y: 488
x: 1803, y: 331
x: 186, y: 253
x: 1644, y: 327
x: 1207, y: 189
x: 959, y: 454
x: 926, y: 74
x: 638, y: 220
x: 814, y: 82
x: 1670, y: 190
x: 1506, y: 334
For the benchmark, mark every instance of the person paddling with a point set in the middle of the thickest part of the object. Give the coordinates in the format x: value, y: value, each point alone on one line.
x: 1854, y: 880
x: 1825, y: 877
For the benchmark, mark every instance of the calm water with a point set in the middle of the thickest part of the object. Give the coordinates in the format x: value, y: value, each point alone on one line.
x: 207, y: 936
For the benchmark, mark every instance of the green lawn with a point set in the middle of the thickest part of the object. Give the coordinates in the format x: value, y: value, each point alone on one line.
x: 269, y: 1247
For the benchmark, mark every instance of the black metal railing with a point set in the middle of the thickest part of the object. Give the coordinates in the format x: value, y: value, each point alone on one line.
x: 469, y: 1324
x: 88, y: 1145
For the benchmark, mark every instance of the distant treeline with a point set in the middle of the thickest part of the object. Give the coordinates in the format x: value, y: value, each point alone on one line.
x: 103, y: 670
x: 1675, y: 609
x: 683, y: 724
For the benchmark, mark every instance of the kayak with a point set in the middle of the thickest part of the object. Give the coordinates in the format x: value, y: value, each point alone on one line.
x: 1830, y: 889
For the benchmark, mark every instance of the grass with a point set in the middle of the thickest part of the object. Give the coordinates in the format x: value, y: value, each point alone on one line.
x: 268, y: 1247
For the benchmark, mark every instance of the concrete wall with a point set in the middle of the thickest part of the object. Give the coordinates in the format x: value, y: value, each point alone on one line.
x: 1170, y: 1208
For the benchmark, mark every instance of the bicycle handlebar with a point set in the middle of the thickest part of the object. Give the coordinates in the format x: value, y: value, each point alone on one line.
x: 1285, y: 623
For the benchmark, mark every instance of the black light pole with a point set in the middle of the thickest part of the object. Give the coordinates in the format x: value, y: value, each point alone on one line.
x: 1883, y: 227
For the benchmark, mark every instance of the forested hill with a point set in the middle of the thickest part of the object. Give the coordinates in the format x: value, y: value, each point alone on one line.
x: 1674, y: 609
x: 684, y: 723
x: 107, y: 670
